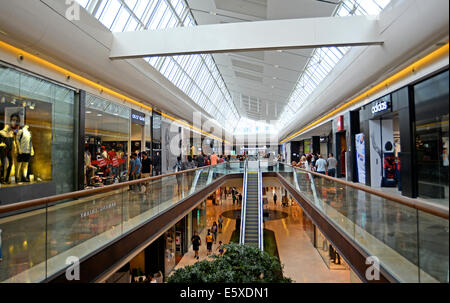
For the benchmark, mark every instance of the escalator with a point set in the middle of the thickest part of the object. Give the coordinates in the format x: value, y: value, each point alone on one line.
x: 251, y: 213
x: 202, y: 177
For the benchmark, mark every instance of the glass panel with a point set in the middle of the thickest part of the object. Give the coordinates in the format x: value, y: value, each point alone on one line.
x: 36, y: 132
x: 411, y: 245
x: 432, y: 138
x: 106, y: 143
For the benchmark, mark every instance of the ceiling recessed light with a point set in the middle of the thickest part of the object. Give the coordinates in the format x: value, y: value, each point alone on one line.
x: 276, y: 65
x: 88, y: 112
x: 279, y: 50
x: 99, y: 115
x: 274, y: 78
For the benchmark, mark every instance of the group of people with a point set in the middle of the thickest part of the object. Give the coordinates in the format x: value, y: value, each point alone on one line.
x: 315, y: 162
x: 140, y: 167
x: 210, y: 239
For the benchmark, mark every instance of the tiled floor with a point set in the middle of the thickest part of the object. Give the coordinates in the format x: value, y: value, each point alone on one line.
x: 302, y: 262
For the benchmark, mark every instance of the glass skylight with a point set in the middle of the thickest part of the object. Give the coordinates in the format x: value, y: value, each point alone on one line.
x: 196, y: 75
x: 323, y: 60
x: 251, y: 127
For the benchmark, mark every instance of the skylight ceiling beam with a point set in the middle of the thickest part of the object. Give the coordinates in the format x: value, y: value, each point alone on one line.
x: 248, y: 36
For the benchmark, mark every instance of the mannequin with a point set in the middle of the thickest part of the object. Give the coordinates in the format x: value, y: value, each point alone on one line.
x: 26, y: 151
x: 6, y: 152
x: 15, y: 127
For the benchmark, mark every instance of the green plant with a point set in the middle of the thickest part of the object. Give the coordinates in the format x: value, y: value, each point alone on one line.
x: 239, y: 264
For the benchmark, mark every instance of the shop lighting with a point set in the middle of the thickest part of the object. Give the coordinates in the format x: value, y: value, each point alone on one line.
x: 85, y: 81
x: 88, y: 112
x: 99, y: 115
x: 13, y: 101
x: 407, y: 71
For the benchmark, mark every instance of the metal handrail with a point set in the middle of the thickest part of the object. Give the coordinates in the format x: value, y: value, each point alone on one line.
x: 260, y: 211
x: 431, y: 208
x: 87, y: 192
x: 244, y: 205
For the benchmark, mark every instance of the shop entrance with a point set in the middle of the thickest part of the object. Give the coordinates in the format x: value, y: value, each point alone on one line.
x: 385, y: 151
x: 341, y: 150
x: 137, y: 137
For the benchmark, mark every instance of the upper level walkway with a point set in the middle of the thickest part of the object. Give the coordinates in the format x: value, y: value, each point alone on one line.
x: 102, y: 226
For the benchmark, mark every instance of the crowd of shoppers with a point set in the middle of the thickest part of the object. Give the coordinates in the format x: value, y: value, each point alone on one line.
x: 316, y: 162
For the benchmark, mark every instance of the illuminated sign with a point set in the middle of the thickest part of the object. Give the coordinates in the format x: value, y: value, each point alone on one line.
x: 137, y: 117
x: 379, y: 107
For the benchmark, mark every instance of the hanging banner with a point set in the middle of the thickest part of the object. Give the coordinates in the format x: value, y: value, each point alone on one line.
x: 361, y: 158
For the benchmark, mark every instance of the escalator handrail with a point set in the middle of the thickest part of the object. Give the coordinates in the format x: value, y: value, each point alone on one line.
x: 244, y: 204
x: 260, y: 211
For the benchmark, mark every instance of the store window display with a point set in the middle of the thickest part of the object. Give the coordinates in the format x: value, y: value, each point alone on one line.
x: 106, y: 142
x: 36, y: 132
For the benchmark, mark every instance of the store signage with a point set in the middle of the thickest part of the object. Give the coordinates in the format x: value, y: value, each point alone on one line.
x: 379, y: 107
x: 102, y: 163
x: 137, y: 117
x: 115, y: 162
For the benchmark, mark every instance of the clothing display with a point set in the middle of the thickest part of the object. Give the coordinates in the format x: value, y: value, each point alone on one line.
x: 25, y: 149
x: 6, y: 150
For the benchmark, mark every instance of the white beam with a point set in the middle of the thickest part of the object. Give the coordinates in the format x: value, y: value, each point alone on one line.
x: 248, y: 36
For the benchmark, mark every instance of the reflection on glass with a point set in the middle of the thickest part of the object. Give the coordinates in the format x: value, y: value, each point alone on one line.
x: 432, y: 137
x: 36, y: 131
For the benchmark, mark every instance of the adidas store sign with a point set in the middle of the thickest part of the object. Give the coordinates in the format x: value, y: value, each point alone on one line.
x: 379, y: 107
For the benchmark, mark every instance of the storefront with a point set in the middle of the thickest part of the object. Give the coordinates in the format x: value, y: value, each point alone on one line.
x: 56, y: 139
x: 432, y: 137
x: 107, y: 136
x: 384, y: 144
x: 37, y: 146
x: 403, y: 140
x: 341, y: 146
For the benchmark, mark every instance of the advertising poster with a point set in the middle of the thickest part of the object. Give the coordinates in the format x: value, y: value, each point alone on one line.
x: 361, y: 158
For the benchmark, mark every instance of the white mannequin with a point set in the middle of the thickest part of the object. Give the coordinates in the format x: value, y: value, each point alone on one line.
x: 26, y: 151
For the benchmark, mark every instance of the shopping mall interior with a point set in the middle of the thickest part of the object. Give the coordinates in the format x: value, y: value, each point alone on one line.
x: 224, y: 141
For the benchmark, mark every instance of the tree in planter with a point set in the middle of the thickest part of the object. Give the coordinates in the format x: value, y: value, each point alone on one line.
x: 239, y: 264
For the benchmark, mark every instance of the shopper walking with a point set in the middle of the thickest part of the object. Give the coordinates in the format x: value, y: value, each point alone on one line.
x: 137, y: 170
x: 321, y: 165
x: 209, y: 242
x: 132, y: 170
x: 275, y: 197
x: 220, y: 221
x: 178, y: 167
x: 200, y: 160
x: 240, y: 198
x: 196, y: 242
x: 214, y: 231
x: 147, y: 169
x: 332, y: 165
